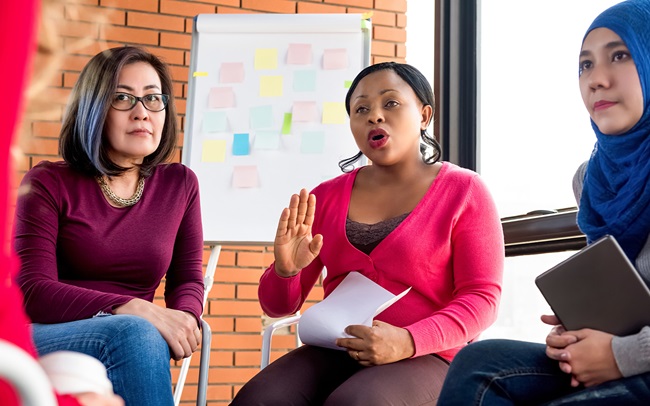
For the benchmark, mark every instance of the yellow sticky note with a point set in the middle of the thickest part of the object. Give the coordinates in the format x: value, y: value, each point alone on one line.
x: 270, y: 86
x: 266, y: 58
x: 334, y: 113
x: 197, y: 74
x: 213, y: 151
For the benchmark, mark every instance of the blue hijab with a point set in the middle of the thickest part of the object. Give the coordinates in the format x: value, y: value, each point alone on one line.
x: 616, y: 195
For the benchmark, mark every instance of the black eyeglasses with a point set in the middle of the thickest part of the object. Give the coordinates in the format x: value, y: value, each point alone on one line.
x: 152, y: 102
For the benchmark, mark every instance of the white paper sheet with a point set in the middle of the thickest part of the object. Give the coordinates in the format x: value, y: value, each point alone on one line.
x: 357, y: 300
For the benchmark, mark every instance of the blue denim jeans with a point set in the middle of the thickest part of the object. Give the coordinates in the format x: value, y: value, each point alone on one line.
x: 506, y: 372
x: 134, y: 353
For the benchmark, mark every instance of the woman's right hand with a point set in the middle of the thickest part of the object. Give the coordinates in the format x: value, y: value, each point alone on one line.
x: 294, y: 246
x: 179, y: 329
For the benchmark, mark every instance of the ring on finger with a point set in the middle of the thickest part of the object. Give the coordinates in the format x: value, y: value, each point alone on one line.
x: 357, y: 355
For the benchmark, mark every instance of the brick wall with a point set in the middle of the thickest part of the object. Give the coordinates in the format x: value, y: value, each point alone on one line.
x: 81, y: 28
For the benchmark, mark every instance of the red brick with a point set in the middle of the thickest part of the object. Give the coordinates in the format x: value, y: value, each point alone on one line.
x: 141, y: 5
x: 237, y: 341
x: 41, y: 146
x: 355, y: 3
x: 248, y: 358
x: 250, y: 259
x: 401, y: 20
x: 232, y: 3
x: 78, y: 29
x: 46, y: 129
x: 400, y: 50
x: 178, y: 91
x: 389, y: 34
x: 222, y: 358
x: 383, y: 48
x: 180, y: 106
x: 220, y: 324
x: 155, y: 21
x: 391, y: 5
x: 231, y: 10
x: 129, y: 35
x: 95, y: 14
x: 221, y: 291
x: 247, y: 292
x: 238, y: 275
x: 317, y: 8
x: 87, y: 47
x: 230, y: 375
x: 173, y: 40
x: 275, y: 6
x: 74, y: 63
x: 378, y: 17
x: 248, y: 325
x: 235, y: 308
x: 184, y: 8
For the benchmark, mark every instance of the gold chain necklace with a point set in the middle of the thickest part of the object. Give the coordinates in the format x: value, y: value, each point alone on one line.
x: 119, y: 201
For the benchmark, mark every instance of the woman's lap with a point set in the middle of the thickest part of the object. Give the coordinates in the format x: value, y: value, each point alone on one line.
x: 507, y: 372
x: 312, y: 375
x: 134, y: 353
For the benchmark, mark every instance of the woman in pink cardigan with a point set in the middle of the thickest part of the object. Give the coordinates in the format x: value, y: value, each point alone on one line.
x: 407, y: 220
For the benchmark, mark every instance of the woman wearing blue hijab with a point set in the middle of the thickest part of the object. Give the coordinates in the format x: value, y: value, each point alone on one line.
x: 613, y: 189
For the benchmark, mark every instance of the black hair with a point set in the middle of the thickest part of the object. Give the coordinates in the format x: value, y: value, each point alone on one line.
x: 420, y: 85
x: 82, y: 143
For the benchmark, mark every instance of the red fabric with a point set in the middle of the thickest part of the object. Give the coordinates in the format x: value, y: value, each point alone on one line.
x: 18, y: 19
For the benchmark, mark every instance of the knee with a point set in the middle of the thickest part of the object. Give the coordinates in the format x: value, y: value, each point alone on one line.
x: 137, y: 337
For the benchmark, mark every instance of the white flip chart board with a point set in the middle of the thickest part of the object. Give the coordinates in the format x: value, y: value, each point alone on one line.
x: 266, y: 113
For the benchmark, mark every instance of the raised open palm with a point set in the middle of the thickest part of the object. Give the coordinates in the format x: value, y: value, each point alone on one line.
x: 294, y: 246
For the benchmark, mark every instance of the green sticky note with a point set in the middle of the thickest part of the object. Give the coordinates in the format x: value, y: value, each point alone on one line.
x: 267, y: 140
x: 286, y: 124
x: 347, y: 84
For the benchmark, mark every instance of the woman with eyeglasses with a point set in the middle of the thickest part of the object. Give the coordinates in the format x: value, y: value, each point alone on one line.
x: 97, y: 232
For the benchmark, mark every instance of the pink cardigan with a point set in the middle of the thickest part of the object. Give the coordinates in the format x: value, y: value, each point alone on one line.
x: 449, y: 250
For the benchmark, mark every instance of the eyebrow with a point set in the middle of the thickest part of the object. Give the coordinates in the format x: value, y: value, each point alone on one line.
x: 384, y: 91
x: 609, y: 45
x: 131, y: 89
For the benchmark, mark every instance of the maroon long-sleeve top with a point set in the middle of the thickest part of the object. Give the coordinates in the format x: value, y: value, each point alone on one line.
x: 80, y: 255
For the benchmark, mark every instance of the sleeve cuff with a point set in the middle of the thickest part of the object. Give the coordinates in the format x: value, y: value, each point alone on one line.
x: 632, y: 353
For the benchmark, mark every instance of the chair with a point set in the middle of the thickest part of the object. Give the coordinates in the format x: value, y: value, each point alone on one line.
x: 25, y: 374
x: 268, y: 335
x: 206, y: 341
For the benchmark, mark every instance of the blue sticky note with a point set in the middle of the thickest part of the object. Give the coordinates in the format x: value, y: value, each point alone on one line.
x: 261, y: 117
x: 267, y: 140
x: 215, y: 121
x: 312, y: 142
x: 304, y: 81
x: 240, y: 145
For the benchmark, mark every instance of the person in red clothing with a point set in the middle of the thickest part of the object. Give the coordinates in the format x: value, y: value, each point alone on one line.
x: 407, y: 220
x: 19, y: 18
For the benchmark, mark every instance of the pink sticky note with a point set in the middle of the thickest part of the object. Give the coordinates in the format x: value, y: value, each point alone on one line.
x: 231, y: 72
x: 335, y: 59
x: 221, y: 97
x: 245, y: 176
x: 299, y: 54
x: 304, y: 111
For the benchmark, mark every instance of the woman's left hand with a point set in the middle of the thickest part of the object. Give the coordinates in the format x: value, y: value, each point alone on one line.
x: 380, y: 344
x: 590, y: 360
